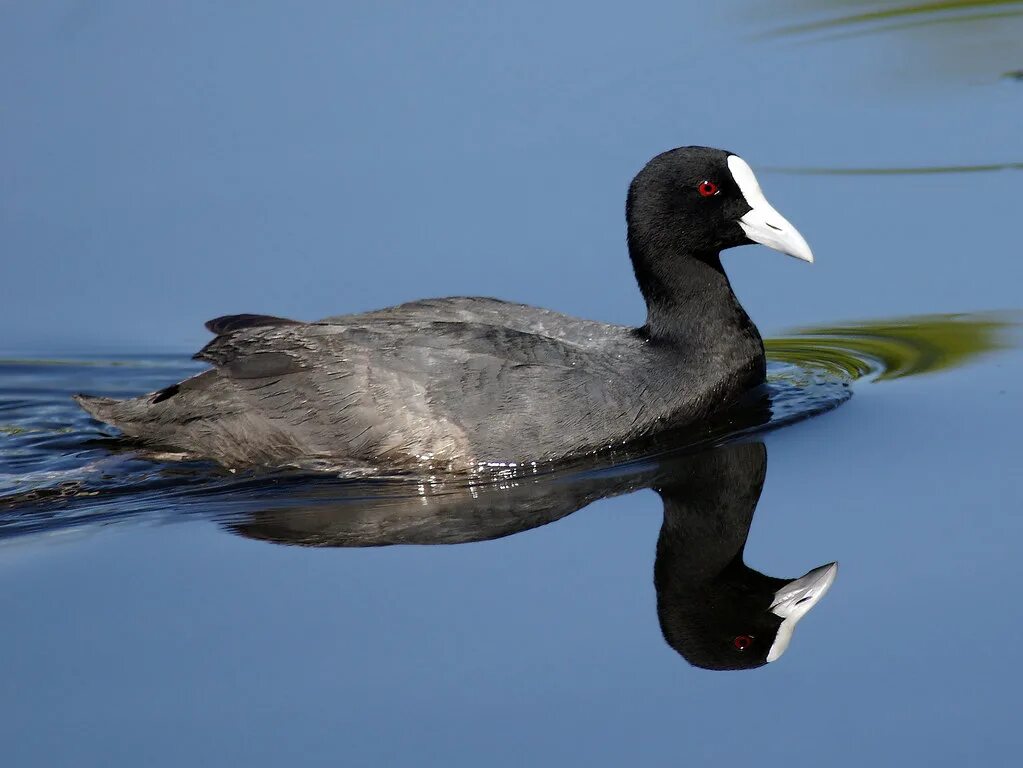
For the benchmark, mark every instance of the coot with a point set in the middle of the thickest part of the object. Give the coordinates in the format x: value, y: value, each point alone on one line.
x: 458, y: 383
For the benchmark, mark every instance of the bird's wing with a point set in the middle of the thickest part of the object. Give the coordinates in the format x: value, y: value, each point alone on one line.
x: 404, y: 387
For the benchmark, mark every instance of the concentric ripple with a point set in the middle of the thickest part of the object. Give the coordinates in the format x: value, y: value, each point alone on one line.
x: 60, y: 472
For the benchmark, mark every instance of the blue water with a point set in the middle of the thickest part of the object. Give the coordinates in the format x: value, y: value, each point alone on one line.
x: 169, y: 164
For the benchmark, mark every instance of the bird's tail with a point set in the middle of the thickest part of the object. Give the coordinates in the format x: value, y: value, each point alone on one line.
x: 100, y: 408
x: 117, y: 413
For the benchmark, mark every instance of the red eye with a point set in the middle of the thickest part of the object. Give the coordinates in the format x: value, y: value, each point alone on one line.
x: 708, y: 188
x: 742, y: 642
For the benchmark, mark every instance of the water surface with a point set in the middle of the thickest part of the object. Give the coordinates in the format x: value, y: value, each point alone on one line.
x: 150, y: 576
x: 169, y: 164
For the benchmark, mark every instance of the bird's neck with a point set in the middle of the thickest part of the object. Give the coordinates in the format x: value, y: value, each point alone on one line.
x: 690, y: 301
x: 709, y: 504
x: 698, y: 545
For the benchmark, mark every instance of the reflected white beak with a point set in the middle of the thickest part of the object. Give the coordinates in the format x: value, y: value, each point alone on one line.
x: 763, y: 224
x: 793, y: 601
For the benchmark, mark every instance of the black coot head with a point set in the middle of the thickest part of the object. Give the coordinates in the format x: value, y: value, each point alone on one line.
x: 742, y: 619
x: 699, y: 201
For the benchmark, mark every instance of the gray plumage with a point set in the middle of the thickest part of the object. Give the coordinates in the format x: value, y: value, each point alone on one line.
x: 456, y: 383
x: 449, y: 383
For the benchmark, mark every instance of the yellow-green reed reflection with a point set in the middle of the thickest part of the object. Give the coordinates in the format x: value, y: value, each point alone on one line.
x: 905, y: 171
x: 897, y: 348
x: 900, y: 15
x: 937, y: 43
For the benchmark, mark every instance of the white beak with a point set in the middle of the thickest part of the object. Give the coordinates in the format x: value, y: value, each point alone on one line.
x: 763, y: 224
x: 793, y: 601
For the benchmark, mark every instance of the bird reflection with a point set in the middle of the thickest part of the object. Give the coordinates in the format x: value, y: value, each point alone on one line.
x: 716, y: 611
x: 713, y: 608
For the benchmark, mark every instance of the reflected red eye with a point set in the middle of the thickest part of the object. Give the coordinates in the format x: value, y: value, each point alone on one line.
x: 742, y: 642
x: 708, y: 188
